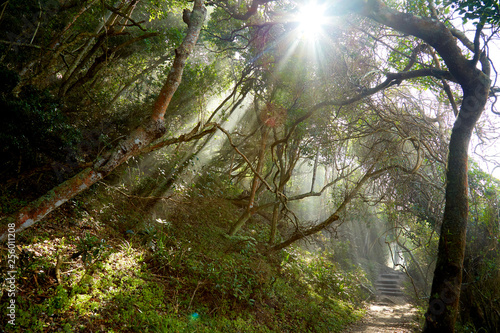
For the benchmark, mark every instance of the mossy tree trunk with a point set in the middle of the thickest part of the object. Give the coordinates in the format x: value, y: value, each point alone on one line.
x: 445, y: 293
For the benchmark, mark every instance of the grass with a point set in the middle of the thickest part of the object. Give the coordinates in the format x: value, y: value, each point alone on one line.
x: 174, y: 270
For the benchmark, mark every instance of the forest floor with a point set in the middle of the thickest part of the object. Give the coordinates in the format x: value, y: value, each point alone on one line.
x: 99, y: 264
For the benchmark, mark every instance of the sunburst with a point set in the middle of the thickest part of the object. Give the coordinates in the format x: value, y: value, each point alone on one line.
x: 311, y: 20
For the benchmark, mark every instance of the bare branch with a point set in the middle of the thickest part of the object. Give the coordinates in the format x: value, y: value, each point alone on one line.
x: 246, y: 159
x: 197, y: 19
x: 477, y: 36
x: 463, y: 38
x: 20, y: 44
x: 194, y: 134
x: 323, y: 189
x: 432, y: 9
x: 299, y: 234
x: 116, y: 11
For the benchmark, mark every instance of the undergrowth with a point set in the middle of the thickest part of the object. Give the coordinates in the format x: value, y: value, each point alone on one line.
x: 179, y: 272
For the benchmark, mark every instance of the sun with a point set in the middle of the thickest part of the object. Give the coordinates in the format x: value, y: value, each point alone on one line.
x: 311, y: 19
x: 309, y: 26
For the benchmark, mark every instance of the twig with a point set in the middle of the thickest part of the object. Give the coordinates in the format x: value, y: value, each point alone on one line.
x: 117, y: 12
x: 20, y: 44
x: 38, y: 25
x: 58, y: 268
x: 5, y: 4
x: 194, y: 292
x: 71, y: 270
x: 245, y: 158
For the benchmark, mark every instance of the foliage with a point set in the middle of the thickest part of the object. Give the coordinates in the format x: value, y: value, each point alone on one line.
x: 480, y: 296
x: 331, y: 287
x: 90, y: 248
x: 323, y: 276
x: 34, y: 129
x: 9, y: 205
x: 479, y: 11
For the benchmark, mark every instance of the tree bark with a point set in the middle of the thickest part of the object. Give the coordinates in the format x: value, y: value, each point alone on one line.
x: 443, y: 305
x: 137, y: 142
x: 419, y: 268
x: 181, y: 54
x: 315, y: 169
x: 103, y: 60
x: 444, y: 302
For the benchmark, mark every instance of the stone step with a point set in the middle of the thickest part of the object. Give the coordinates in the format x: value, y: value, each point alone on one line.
x: 387, y: 282
x: 392, y: 293
x: 390, y: 276
x: 388, y: 289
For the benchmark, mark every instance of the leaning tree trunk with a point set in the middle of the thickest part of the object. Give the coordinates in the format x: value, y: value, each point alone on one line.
x: 137, y: 142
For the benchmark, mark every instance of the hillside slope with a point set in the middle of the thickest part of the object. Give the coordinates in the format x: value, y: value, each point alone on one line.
x: 106, y: 264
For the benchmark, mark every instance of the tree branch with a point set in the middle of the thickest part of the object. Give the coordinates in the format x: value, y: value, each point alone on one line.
x: 477, y: 51
x: 432, y: 9
x: 194, y: 134
x: 174, y: 76
x: 251, y: 10
x: 462, y: 38
x: 245, y: 158
x: 433, y: 32
x: 324, y: 188
x: 116, y: 11
x: 299, y: 234
x: 20, y: 44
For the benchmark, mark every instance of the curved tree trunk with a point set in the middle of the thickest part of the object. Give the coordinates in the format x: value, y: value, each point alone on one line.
x: 137, y: 142
x: 443, y: 305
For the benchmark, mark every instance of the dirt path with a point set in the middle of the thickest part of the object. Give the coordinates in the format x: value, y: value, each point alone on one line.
x: 389, y: 313
x: 385, y: 318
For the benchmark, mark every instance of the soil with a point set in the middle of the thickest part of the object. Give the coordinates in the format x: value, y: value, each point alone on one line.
x: 382, y: 317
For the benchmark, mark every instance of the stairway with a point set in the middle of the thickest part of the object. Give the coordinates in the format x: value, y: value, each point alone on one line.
x: 388, y: 284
